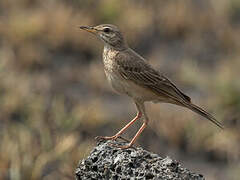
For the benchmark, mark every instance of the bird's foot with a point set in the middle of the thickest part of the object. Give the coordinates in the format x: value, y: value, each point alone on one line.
x: 99, y: 138
x: 129, y: 145
x: 120, y: 137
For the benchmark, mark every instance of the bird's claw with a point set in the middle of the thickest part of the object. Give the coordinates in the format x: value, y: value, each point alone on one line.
x: 100, y: 138
x: 123, y: 146
x: 122, y: 138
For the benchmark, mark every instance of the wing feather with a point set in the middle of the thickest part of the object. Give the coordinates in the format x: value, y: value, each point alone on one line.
x: 141, y: 73
x: 133, y: 67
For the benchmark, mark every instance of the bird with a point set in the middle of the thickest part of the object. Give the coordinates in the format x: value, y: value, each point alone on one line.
x: 130, y: 74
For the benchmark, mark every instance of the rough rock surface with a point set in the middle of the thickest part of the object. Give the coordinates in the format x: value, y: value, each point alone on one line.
x: 108, y: 162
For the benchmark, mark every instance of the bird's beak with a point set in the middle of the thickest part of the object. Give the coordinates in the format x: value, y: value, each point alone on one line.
x: 89, y: 29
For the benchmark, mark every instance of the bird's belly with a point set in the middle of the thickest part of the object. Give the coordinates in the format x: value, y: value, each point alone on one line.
x: 131, y: 89
x: 140, y: 93
x: 116, y: 83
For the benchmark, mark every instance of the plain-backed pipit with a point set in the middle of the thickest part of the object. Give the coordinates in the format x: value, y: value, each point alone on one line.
x: 130, y: 74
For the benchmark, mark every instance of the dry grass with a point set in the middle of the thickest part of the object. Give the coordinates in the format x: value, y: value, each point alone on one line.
x: 54, y: 97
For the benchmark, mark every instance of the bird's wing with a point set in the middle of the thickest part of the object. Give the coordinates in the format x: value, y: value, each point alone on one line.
x: 133, y: 67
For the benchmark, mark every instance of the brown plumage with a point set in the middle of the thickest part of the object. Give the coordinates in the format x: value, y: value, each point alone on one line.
x: 130, y: 74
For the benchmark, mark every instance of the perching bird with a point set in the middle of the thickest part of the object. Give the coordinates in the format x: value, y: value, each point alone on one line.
x: 130, y: 74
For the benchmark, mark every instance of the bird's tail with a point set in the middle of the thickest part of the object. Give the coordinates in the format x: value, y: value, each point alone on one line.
x: 203, y: 113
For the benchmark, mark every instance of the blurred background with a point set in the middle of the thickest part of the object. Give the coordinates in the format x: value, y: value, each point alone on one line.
x: 54, y: 97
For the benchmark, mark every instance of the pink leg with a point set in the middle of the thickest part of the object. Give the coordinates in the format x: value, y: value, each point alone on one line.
x: 144, y: 125
x: 139, y: 115
x: 141, y: 108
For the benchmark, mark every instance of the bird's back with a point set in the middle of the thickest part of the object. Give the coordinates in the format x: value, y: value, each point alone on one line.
x: 132, y: 69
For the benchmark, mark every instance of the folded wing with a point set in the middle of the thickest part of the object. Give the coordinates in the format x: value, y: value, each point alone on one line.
x: 142, y: 74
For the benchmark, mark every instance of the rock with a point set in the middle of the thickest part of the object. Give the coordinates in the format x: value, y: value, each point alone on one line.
x: 109, y: 162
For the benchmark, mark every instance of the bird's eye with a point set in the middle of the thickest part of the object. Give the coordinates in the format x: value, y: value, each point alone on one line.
x: 106, y: 30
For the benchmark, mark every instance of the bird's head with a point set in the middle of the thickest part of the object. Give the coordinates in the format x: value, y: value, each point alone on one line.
x: 109, y: 34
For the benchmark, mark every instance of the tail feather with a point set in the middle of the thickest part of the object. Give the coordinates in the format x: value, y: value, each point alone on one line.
x: 203, y: 113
